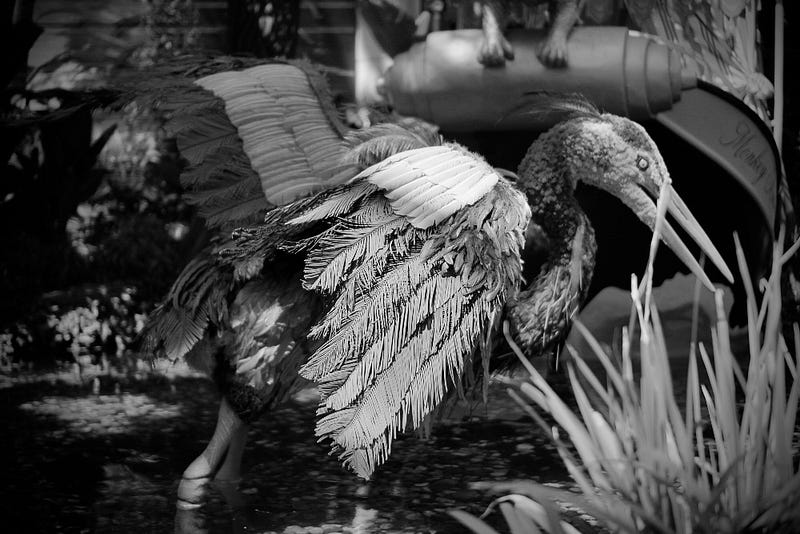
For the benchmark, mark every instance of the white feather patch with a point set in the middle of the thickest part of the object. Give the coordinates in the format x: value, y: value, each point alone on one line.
x: 428, y: 185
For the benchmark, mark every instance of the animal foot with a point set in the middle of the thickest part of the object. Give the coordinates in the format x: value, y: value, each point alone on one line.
x: 554, y: 52
x: 494, y: 51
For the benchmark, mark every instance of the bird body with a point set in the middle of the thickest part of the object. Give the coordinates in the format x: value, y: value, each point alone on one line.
x: 267, y: 342
x: 385, y: 258
x: 540, y: 315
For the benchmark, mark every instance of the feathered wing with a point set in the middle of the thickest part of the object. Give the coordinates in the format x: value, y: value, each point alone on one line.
x: 254, y: 139
x: 256, y: 245
x: 293, y: 141
x: 416, y: 258
x: 198, y: 297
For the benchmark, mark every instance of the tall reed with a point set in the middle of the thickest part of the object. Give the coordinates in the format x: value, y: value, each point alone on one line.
x: 725, y: 463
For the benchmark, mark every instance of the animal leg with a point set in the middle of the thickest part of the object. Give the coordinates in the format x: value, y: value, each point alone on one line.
x: 554, y: 51
x: 495, y: 48
x: 231, y: 469
x: 196, y: 477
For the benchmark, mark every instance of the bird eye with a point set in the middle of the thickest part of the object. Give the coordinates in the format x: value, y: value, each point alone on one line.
x: 642, y: 163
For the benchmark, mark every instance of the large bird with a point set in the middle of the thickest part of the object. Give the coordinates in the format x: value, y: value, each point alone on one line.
x: 385, y: 257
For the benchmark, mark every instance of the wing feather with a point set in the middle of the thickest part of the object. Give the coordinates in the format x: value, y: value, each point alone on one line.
x: 412, y: 177
x: 409, y: 304
x: 286, y: 132
x: 255, y: 139
x: 196, y: 299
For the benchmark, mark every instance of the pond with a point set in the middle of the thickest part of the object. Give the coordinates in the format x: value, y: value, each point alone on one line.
x: 110, y: 462
x: 106, y: 456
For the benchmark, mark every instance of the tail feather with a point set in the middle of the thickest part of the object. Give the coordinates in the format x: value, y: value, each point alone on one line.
x: 372, y: 145
x: 197, y: 301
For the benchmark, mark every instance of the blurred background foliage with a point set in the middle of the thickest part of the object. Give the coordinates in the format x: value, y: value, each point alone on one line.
x: 94, y: 226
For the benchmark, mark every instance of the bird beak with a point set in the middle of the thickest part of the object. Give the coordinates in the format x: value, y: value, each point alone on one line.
x: 639, y: 197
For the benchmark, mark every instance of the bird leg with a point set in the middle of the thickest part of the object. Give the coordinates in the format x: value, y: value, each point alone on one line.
x: 196, y: 477
x: 231, y: 469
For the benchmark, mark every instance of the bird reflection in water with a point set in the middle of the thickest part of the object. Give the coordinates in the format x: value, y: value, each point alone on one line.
x: 247, y: 517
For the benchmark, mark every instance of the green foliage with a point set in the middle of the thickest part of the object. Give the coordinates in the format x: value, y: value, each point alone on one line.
x: 726, y: 463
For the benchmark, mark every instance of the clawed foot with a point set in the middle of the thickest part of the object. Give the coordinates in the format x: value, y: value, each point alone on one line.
x: 553, y: 53
x: 494, y: 51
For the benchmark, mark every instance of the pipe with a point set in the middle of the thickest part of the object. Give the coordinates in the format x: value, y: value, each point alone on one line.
x: 440, y: 79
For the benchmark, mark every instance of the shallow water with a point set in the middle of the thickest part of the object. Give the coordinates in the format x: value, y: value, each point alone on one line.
x: 111, y: 463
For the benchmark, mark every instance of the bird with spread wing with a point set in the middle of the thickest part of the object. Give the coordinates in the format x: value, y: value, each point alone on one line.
x: 384, y: 259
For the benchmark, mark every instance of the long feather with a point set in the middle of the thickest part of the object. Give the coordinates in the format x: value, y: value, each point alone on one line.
x: 196, y: 300
x: 404, y: 322
x: 287, y: 134
x: 412, y: 177
x: 255, y: 139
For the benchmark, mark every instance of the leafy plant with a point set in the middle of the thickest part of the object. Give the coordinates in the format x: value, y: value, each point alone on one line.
x: 89, y: 325
x: 643, y: 465
x: 90, y: 201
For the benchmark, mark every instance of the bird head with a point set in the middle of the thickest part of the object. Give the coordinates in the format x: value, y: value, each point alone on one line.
x: 617, y: 155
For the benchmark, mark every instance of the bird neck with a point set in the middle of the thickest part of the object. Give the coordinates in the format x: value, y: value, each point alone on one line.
x: 541, y: 314
x: 548, y: 178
